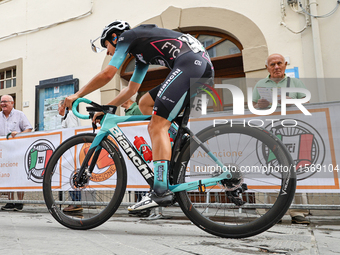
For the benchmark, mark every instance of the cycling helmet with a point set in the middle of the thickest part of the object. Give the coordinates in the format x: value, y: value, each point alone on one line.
x: 117, y: 27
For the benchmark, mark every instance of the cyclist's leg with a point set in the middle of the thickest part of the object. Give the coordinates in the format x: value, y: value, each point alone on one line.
x: 169, y: 100
x: 146, y: 104
x: 158, y: 131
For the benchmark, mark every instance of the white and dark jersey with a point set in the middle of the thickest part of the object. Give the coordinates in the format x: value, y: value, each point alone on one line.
x: 151, y: 45
x: 182, y: 53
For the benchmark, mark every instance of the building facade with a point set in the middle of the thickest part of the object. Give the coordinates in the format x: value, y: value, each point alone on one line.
x: 48, y: 42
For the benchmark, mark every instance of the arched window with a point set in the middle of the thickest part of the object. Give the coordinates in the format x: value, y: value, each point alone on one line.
x: 225, y: 53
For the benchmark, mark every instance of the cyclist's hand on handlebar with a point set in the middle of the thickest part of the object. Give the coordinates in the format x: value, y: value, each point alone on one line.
x: 96, y: 118
x: 69, y: 100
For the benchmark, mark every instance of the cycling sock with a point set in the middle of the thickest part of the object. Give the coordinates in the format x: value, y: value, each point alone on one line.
x: 160, y: 184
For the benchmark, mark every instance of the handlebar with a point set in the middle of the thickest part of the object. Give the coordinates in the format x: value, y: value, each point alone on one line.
x: 95, y: 108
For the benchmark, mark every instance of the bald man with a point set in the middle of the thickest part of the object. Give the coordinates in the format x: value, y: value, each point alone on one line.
x: 276, y: 66
x: 12, y: 123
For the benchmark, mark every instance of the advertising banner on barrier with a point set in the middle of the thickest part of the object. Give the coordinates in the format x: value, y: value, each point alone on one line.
x: 313, y: 142
x: 23, y: 159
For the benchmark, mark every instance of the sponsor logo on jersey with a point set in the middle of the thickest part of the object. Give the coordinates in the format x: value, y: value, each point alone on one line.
x: 168, y: 81
x: 168, y: 47
x: 198, y: 63
x: 141, y: 58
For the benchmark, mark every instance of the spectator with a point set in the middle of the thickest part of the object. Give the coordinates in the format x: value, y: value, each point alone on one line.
x: 276, y: 66
x: 131, y: 107
x: 69, y: 120
x: 12, y: 123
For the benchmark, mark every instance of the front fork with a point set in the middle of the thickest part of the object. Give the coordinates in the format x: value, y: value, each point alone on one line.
x: 85, y: 171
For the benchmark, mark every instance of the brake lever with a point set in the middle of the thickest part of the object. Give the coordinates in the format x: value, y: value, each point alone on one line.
x: 94, y: 125
x: 66, y: 112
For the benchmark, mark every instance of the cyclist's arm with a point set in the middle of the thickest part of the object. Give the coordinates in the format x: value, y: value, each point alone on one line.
x: 124, y: 95
x: 104, y: 76
x: 134, y: 84
x: 98, y: 81
x: 95, y: 83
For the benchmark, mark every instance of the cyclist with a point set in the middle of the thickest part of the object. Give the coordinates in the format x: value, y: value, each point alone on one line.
x: 149, y: 44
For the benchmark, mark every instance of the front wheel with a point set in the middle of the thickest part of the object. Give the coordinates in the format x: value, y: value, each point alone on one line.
x: 93, y: 200
x: 258, y: 194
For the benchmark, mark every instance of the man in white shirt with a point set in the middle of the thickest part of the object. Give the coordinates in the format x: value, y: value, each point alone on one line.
x: 12, y: 122
x: 69, y: 119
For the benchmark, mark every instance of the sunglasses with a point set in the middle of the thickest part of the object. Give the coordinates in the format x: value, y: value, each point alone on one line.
x: 94, y: 47
x: 97, y: 49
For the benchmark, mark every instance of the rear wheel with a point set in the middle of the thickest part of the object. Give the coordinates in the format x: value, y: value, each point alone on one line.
x: 96, y: 197
x: 258, y: 194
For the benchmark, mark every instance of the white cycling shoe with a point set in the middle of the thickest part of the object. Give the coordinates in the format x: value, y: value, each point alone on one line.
x: 148, y: 201
x: 145, y: 203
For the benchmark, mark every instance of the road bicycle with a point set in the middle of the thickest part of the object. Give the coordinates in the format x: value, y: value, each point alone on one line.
x: 212, y: 174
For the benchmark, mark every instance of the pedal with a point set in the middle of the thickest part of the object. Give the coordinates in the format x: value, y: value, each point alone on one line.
x: 165, y: 200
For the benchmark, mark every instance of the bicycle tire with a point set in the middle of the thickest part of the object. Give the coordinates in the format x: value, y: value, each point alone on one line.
x: 218, y: 215
x: 100, y: 196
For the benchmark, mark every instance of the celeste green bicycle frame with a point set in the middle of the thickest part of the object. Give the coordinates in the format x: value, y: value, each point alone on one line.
x: 109, y: 127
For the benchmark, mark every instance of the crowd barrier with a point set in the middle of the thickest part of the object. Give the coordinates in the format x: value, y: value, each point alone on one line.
x: 23, y: 158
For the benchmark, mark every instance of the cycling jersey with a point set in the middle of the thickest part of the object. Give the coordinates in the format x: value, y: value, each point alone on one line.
x: 182, y: 53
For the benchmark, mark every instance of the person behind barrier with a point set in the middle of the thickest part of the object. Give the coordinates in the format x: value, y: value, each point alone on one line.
x: 276, y: 66
x: 12, y: 123
x: 131, y: 107
x: 149, y: 44
x: 69, y: 120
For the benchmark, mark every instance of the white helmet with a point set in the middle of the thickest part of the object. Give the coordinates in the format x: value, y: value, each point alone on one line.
x: 117, y: 27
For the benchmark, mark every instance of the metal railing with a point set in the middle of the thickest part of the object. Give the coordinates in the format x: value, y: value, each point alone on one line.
x: 316, y: 201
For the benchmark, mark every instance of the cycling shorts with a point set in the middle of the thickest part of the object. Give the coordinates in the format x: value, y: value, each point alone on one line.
x: 190, y: 71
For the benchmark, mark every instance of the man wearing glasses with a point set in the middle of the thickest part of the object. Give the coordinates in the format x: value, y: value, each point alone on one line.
x: 12, y: 122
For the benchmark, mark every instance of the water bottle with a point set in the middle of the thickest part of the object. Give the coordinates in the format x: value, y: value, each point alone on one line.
x: 143, y: 148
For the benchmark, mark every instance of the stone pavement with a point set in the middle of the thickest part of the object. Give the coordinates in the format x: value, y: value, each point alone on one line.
x: 34, y: 231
